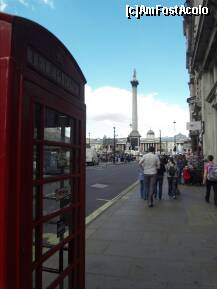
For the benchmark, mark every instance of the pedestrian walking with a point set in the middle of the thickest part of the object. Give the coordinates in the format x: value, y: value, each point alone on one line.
x: 141, y: 182
x: 150, y: 163
x: 210, y: 179
x: 180, y: 166
x: 159, y: 180
x: 172, y: 177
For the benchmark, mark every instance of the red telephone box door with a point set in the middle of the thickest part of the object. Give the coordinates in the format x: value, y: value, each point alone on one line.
x: 42, y: 165
x: 54, y: 143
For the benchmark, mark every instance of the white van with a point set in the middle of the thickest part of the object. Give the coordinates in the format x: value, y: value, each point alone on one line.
x: 91, y: 157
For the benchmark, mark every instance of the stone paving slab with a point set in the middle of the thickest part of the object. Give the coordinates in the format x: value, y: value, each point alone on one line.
x: 170, y: 246
x: 108, y: 265
x: 108, y: 282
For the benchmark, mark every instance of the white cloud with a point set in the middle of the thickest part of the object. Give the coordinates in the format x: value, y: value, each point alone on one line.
x: 109, y: 106
x: 3, y: 5
x: 49, y: 3
x: 24, y: 2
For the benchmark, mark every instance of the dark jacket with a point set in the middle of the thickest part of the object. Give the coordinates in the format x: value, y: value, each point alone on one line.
x: 161, y: 170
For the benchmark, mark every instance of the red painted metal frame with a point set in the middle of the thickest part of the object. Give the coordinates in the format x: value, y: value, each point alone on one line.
x: 20, y: 86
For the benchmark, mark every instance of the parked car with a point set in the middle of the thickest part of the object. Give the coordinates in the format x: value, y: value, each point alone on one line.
x: 91, y: 157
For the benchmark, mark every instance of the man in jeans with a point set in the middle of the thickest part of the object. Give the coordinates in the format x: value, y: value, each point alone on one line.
x: 172, y: 177
x: 150, y: 163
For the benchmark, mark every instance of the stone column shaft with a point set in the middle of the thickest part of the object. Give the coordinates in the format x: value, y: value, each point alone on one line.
x: 134, y: 110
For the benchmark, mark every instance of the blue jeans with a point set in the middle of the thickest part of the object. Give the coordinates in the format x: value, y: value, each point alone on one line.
x: 149, y: 183
x: 172, y: 186
x: 158, y: 187
x: 143, y: 190
x: 209, y: 185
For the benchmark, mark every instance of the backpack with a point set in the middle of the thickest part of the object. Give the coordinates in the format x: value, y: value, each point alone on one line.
x: 212, y: 173
x: 172, y: 171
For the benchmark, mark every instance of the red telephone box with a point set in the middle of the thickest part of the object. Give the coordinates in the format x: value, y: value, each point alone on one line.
x: 42, y: 172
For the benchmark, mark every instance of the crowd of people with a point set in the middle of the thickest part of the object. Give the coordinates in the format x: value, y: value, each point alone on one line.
x: 186, y: 169
x: 121, y: 157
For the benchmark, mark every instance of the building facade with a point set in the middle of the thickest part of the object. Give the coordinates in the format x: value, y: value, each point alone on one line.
x: 164, y: 144
x: 201, y: 61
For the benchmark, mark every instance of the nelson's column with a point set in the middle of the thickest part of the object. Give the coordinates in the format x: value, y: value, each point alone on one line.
x: 134, y: 136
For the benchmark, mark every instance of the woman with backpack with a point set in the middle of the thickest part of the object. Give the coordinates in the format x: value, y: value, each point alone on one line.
x: 172, y: 176
x: 210, y: 179
x: 159, y: 180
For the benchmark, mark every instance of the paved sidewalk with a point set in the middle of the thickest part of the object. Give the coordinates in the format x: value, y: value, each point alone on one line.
x: 170, y: 246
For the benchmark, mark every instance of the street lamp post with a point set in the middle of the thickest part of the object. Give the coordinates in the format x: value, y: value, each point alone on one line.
x: 174, y: 149
x: 160, y: 141
x: 114, y: 146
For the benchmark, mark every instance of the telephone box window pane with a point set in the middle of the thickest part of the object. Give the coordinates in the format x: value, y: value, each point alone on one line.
x: 56, y: 161
x: 48, y: 278
x: 36, y: 162
x: 35, y: 202
x: 57, y: 126
x: 53, y: 266
x: 56, y: 195
x: 37, y: 121
x: 68, y: 282
x: 57, y: 229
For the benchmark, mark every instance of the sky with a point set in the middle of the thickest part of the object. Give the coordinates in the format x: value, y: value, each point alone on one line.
x: 108, y: 47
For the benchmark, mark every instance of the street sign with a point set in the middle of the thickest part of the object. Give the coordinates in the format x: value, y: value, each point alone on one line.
x: 62, y: 193
x: 194, y: 125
